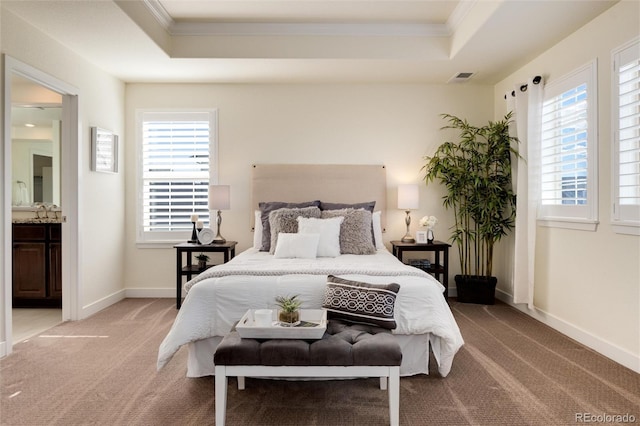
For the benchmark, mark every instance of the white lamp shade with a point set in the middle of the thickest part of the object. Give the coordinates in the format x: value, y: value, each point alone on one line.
x: 408, y: 198
x: 219, y: 197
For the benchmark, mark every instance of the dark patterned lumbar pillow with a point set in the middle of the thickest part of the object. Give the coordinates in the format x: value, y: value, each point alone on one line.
x: 361, y: 302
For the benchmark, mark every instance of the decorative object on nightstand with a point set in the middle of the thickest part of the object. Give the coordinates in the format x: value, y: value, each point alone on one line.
x: 408, y: 200
x: 202, y: 260
x: 429, y: 222
x: 194, y: 233
x: 219, y: 199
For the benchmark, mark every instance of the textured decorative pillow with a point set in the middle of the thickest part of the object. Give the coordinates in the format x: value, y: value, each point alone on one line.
x: 355, y: 232
x: 285, y: 220
x: 267, y: 207
x: 339, y: 206
x: 301, y: 246
x: 329, y: 230
x: 361, y: 302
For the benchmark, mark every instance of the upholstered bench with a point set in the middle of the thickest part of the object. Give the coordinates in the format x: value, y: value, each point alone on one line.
x: 344, y: 351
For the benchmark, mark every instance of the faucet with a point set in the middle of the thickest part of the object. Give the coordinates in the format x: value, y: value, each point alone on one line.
x: 39, y: 207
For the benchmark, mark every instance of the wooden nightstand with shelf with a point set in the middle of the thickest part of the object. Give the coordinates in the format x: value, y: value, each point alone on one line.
x: 190, y: 269
x: 439, y: 268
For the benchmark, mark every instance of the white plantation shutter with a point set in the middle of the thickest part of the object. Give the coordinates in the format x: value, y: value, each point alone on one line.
x: 564, y: 148
x: 568, y: 148
x: 177, y: 153
x: 627, y: 135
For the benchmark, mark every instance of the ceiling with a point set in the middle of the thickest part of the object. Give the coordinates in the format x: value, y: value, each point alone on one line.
x: 270, y: 41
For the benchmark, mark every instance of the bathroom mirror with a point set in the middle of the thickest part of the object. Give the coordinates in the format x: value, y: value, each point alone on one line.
x: 36, y: 114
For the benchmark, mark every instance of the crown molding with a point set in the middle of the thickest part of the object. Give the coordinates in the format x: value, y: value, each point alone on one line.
x: 185, y: 28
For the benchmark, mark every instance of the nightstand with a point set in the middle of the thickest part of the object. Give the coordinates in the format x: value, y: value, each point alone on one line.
x: 439, y: 269
x: 228, y: 250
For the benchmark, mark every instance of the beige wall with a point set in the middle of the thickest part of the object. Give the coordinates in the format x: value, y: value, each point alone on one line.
x: 394, y: 125
x: 588, y: 283
x: 101, y: 103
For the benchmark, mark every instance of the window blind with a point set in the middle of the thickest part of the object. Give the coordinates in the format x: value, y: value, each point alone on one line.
x: 629, y: 133
x: 564, y: 158
x: 175, y: 170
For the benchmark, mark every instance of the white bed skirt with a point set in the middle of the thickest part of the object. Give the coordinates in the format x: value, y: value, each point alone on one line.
x: 415, y: 355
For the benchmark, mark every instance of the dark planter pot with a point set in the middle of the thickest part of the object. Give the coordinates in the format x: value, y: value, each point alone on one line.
x: 475, y: 289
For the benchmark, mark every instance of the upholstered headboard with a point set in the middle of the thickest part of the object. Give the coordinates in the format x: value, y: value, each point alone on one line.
x: 335, y: 183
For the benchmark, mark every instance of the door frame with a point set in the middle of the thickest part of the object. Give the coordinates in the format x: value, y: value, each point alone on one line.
x: 70, y: 188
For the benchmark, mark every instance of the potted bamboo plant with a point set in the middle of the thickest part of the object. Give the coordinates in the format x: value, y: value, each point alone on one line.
x: 476, y: 171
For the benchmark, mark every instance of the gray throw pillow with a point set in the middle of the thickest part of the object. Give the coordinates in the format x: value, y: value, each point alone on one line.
x: 355, y: 231
x: 370, y: 205
x: 286, y: 220
x: 361, y: 302
x: 267, y: 207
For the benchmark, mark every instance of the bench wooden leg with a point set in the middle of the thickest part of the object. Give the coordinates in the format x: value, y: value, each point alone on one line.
x: 221, y: 394
x: 394, y: 396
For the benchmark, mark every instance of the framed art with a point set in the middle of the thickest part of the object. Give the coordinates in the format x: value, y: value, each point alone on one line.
x: 421, y: 237
x: 104, y: 151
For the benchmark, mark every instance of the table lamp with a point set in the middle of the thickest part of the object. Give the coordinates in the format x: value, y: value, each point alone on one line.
x: 219, y: 199
x: 408, y: 200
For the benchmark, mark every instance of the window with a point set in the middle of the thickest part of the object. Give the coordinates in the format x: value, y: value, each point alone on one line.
x: 626, y: 128
x: 177, y: 160
x: 568, y: 159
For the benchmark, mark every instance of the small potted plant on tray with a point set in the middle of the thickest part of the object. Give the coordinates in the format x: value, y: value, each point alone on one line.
x: 202, y: 261
x: 289, y: 312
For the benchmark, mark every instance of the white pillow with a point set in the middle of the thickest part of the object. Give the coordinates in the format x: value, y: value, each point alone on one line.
x: 302, y: 246
x: 329, y: 230
x: 257, y: 230
x: 377, y: 230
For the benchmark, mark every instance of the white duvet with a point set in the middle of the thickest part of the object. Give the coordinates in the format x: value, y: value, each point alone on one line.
x: 218, y: 297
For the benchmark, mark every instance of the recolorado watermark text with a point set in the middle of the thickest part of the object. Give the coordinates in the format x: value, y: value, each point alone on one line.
x: 604, y: 418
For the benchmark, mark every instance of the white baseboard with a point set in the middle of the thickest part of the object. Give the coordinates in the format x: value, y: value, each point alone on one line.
x: 164, y: 293
x: 99, y: 305
x: 603, y: 347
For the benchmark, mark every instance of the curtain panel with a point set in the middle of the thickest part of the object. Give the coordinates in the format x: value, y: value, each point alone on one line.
x: 526, y: 103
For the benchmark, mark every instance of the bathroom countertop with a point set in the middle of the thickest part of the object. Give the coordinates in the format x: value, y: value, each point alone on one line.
x: 37, y: 220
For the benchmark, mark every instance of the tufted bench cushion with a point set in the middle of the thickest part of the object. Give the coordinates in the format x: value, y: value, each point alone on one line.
x: 343, y: 344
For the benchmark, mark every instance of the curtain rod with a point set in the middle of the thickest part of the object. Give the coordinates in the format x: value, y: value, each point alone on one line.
x: 536, y: 80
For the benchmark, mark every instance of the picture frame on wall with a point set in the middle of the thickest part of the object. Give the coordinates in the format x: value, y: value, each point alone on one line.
x: 104, y: 151
x: 421, y: 237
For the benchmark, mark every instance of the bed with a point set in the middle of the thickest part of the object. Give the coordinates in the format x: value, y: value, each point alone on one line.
x: 276, y: 265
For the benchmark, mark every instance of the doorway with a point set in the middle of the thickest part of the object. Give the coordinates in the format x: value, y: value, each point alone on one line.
x: 68, y: 185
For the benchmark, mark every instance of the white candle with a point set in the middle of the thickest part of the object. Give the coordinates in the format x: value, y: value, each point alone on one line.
x: 194, y: 218
x: 199, y: 224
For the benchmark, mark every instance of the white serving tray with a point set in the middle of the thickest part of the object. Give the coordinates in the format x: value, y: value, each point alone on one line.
x: 247, y: 329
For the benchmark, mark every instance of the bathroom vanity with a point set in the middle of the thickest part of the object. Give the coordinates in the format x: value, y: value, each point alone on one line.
x: 37, y: 251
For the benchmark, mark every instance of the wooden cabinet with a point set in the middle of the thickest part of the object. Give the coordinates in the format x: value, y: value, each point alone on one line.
x: 37, y: 275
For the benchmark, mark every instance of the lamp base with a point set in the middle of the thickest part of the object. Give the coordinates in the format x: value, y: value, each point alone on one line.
x: 408, y: 239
